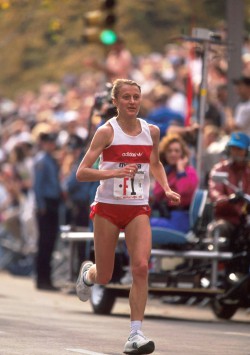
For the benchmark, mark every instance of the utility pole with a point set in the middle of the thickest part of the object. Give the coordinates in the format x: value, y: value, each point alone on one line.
x: 204, y: 37
x: 235, y: 25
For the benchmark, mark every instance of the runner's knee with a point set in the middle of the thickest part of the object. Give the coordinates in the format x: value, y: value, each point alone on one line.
x: 140, y: 270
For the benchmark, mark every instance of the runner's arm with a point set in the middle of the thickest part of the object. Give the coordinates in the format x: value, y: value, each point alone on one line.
x: 157, y: 168
x: 101, y: 140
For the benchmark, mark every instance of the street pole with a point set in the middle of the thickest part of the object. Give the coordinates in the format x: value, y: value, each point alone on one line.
x: 204, y: 37
x: 202, y: 112
x: 235, y: 29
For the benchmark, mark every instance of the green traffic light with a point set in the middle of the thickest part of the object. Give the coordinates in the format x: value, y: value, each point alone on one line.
x: 108, y: 37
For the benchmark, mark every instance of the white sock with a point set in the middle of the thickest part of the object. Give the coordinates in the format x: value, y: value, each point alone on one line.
x: 86, y: 280
x: 135, y: 325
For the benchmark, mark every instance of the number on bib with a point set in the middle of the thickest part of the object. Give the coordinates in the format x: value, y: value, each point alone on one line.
x: 127, y: 188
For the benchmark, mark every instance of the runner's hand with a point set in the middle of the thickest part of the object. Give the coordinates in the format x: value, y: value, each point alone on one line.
x: 127, y: 171
x: 173, y: 197
x: 131, y: 170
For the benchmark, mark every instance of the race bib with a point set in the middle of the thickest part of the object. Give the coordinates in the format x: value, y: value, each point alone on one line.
x: 127, y: 188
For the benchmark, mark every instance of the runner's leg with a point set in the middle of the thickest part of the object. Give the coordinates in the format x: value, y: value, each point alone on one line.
x: 105, y: 240
x: 138, y: 240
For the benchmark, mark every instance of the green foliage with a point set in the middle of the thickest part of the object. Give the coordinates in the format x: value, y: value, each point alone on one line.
x: 41, y: 40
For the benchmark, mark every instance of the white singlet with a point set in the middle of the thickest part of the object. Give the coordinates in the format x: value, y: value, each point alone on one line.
x: 124, y: 150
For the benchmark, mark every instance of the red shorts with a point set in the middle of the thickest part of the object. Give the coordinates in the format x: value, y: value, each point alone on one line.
x: 119, y: 215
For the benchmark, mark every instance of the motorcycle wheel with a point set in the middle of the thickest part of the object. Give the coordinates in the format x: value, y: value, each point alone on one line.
x: 222, y: 310
x: 102, y: 299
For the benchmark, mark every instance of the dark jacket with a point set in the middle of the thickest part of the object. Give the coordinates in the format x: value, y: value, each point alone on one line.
x: 239, y: 176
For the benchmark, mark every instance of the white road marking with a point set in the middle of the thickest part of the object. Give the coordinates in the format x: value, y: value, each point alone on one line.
x: 83, y: 351
x: 232, y: 333
x: 235, y: 333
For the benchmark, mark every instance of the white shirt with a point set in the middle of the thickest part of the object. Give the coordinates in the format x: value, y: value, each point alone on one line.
x: 126, y: 149
x: 242, y: 117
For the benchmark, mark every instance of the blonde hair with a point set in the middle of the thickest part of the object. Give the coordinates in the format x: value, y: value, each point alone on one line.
x: 118, y: 83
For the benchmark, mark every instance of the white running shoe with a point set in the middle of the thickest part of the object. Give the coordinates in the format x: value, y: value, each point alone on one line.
x: 82, y: 289
x: 138, y: 344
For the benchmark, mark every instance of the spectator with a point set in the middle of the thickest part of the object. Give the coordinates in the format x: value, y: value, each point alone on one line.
x: 118, y: 63
x: 21, y: 158
x: 177, y: 100
x: 80, y: 194
x: 241, y: 120
x: 161, y: 115
x: 48, y: 193
x: 227, y: 215
x: 182, y: 178
x: 214, y: 148
x: 10, y: 201
x: 221, y: 99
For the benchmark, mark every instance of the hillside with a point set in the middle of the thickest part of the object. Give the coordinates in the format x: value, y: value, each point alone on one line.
x: 32, y: 53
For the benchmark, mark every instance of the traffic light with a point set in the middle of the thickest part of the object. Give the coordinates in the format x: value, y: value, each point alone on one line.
x: 99, y: 24
x: 4, y: 5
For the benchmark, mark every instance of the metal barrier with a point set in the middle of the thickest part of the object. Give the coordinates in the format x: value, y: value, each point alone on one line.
x: 87, y: 236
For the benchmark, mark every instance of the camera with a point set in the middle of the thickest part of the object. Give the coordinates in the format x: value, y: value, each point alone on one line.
x: 103, y: 103
x: 205, y: 35
x: 103, y: 97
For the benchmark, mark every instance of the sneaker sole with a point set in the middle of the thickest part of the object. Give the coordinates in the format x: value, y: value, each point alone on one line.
x: 144, y: 349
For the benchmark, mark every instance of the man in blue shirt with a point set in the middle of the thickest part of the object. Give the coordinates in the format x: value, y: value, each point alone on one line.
x: 48, y: 194
x: 163, y: 116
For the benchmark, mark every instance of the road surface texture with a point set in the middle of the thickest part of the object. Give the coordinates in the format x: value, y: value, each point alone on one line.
x: 45, y: 323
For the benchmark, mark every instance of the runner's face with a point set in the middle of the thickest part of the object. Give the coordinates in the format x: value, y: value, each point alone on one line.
x: 128, y: 101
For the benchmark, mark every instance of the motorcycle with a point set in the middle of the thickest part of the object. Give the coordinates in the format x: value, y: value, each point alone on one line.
x: 234, y: 276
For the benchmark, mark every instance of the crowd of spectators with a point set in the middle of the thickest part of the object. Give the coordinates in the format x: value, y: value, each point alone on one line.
x: 69, y: 110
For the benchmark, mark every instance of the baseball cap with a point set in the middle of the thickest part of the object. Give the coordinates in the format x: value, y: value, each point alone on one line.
x: 243, y: 79
x: 75, y: 142
x: 240, y: 140
x: 48, y: 137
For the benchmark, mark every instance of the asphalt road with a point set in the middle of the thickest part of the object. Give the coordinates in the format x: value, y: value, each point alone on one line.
x: 37, y: 323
